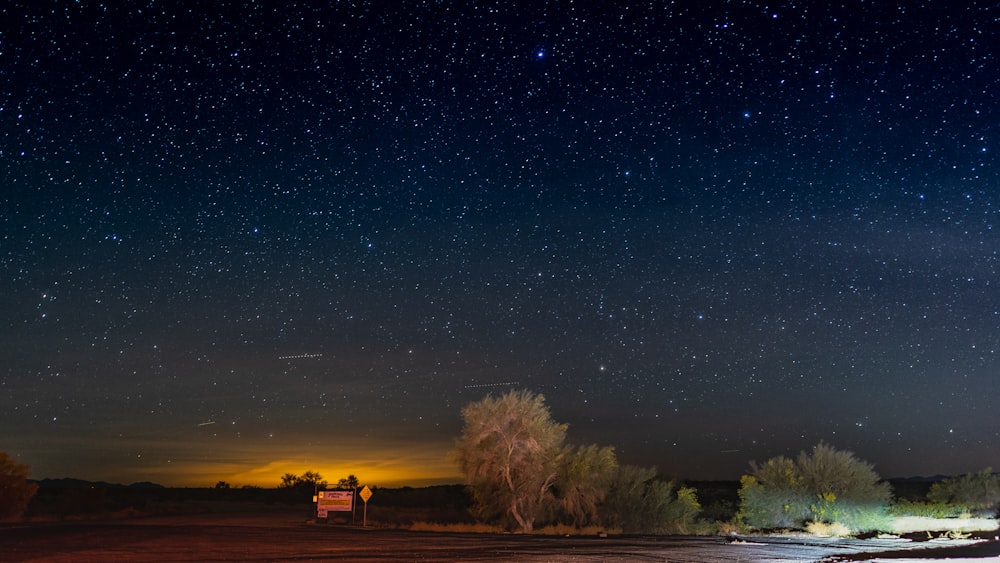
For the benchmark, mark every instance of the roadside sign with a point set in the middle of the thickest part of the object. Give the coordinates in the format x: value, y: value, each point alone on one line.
x: 366, y: 494
x: 334, y: 501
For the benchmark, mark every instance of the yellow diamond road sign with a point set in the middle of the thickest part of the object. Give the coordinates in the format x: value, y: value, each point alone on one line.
x: 366, y: 494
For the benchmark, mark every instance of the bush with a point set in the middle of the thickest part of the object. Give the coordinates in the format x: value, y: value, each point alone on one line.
x: 15, y: 490
x: 835, y: 472
x: 856, y: 516
x: 763, y: 506
x: 825, y: 486
x: 925, y: 509
x: 640, y: 503
x: 978, y: 492
x: 682, y: 514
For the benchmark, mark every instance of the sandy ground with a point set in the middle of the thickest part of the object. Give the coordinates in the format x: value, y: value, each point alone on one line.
x: 290, y: 536
x: 907, y: 524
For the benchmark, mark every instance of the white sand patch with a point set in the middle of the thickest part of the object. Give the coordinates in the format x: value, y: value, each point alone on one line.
x: 909, y: 524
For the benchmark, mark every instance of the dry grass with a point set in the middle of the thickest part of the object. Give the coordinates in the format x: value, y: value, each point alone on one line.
x: 564, y: 530
x: 461, y: 528
x: 828, y: 529
x: 728, y: 528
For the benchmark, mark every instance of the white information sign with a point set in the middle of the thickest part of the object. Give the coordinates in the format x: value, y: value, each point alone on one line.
x: 334, y: 501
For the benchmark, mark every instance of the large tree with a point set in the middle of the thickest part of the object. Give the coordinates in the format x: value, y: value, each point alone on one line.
x: 15, y: 490
x: 509, y: 451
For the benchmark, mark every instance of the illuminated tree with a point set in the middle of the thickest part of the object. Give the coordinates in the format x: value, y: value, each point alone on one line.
x: 15, y: 490
x: 509, y: 451
x: 584, y: 478
x: 831, y: 472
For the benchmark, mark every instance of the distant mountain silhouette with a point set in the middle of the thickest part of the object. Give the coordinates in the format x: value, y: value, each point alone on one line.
x: 919, y: 479
x: 70, y: 483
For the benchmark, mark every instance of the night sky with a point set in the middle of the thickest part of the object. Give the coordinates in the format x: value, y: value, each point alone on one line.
x: 239, y: 239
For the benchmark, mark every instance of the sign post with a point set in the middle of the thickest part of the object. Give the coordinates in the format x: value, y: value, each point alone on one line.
x: 366, y: 494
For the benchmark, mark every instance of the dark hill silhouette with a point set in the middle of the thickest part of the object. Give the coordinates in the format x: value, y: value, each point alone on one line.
x: 70, y: 483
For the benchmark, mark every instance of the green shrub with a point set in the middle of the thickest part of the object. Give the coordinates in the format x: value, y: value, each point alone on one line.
x: 680, y: 514
x: 825, y: 486
x: 763, y: 506
x: 978, y: 492
x: 925, y: 509
x: 856, y: 516
x: 640, y: 503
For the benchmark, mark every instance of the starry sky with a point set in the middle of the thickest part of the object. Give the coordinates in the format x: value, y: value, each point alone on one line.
x: 244, y: 238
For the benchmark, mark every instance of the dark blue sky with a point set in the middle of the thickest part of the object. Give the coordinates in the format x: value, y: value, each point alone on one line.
x: 257, y: 237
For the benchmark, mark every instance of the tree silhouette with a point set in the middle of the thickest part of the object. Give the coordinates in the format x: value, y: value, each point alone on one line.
x: 308, y: 481
x: 348, y: 484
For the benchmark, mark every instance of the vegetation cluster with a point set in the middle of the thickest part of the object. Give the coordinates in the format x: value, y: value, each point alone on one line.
x: 15, y: 489
x: 312, y: 481
x: 976, y: 493
x: 826, y: 486
x: 521, y: 474
x: 832, y: 492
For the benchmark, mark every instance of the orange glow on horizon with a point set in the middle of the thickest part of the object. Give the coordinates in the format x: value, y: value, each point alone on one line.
x: 380, y: 461
x: 388, y: 470
x: 331, y: 471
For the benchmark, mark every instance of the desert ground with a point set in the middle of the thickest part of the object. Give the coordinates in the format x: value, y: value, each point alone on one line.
x: 289, y: 535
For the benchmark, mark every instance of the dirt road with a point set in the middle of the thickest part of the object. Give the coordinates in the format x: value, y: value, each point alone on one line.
x: 289, y: 537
